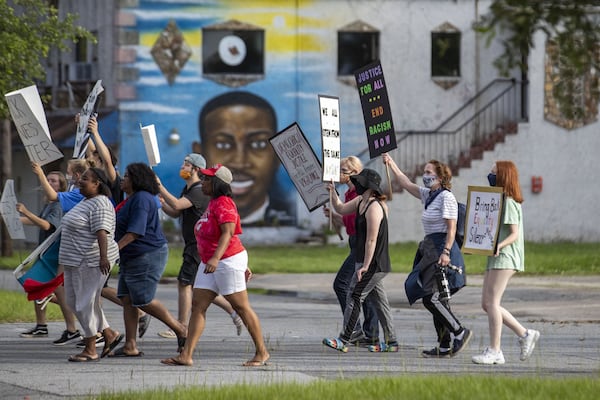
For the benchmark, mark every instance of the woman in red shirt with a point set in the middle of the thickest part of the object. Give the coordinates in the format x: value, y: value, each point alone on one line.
x: 223, y: 268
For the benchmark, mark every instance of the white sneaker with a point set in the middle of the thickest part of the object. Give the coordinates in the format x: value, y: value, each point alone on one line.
x: 489, y: 357
x: 527, y: 343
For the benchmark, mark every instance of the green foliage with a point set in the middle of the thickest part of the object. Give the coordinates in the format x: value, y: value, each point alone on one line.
x: 573, y: 24
x: 16, y: 308
x: 448, y: 387
x: 29, y: 29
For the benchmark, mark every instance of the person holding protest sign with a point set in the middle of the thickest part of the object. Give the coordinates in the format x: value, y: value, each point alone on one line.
x: 48, y: 220
x: 189, y: 207
x: 368, y: 334
x: 87, y: 253
x: 508, y: 259
x: 103, y: 157
x: 372, y: 262
x: 143, y: 250
x: 438, y: 253
x: 224, y: 267
x: 67, y: 200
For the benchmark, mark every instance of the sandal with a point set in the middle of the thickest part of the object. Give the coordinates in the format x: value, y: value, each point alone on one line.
x: 336, y: 344
x: 384, y: 348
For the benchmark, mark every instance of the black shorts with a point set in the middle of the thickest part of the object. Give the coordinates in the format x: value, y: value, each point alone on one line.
x: 189, y: 267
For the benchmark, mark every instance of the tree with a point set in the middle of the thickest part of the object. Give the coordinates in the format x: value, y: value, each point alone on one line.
x: 570, y: 24
x: 28, y: 30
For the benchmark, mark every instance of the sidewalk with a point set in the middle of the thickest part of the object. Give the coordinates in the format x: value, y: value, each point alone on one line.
x: 296, y: 312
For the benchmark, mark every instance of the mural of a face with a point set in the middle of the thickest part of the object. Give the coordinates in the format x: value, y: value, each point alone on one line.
x: 237, y: 136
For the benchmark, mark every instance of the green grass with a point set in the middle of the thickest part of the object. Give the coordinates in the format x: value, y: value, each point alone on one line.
x: 540, y: 259
x: 413, y: 387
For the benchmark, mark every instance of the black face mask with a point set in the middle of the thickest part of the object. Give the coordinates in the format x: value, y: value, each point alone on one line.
x: 360, y: 189
x: 492, y: 179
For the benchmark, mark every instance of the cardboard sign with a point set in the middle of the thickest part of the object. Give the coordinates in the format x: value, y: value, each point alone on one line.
x: 484, y: 215
x: 151, y: 144
x: 301, y: 163
x: 377, y: 113
x: 89, y: 108
x: 330, y: 137
x: 8, y: 210
x: 27, y: 112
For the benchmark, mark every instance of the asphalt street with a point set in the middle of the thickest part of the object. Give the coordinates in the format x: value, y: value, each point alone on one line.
x: 297, y: 311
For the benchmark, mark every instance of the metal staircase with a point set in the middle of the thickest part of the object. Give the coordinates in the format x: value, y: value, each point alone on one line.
x: 477, y: 126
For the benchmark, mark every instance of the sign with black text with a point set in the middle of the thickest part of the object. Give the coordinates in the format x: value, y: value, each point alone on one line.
x: 484, y: 213
x: 87, y: 111
x: 330, y: 137
x: 27, y: 112
x: 377, y: 113
x: 301, y: 164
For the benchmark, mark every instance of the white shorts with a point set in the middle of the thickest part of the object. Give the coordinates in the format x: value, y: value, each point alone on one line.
x: 228, y: 278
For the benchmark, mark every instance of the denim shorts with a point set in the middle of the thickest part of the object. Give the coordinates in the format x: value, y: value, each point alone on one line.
x: 139, y: 276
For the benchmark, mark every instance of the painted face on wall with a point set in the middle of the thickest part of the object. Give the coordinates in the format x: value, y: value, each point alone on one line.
x: 237, y: 136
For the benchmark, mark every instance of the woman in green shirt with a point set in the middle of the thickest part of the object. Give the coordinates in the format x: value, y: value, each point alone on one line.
x: 509, y: 259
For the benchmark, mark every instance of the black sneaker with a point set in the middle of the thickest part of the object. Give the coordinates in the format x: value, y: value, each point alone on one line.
x: 37, y: 331
x: 67, y: 337
x: 99, y: 342
x: 436, y: 352
x: 458, y: 345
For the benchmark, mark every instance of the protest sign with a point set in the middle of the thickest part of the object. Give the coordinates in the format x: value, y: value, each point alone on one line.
x: 377, y: 113
x: 8, y: 210
x: 330, y: 137
x: 89, y: 108
x: 27, y: 112
x: 302, y: 165
x: 484, y: 213
x: 151, y: 144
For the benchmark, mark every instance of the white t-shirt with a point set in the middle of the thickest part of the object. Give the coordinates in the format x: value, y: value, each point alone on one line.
x: 443, y: 207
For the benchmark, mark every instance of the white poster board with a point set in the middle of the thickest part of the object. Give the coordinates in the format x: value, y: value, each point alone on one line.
x: 8, y: 210
x: 151, y: 144
x: 330, y: 137
x: 82, y: 136
x: 27, y: 112
x: 484, y: 213
x: 302, y: 165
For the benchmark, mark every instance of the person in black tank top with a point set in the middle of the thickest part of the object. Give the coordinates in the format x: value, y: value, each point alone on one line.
x: 372, y: 260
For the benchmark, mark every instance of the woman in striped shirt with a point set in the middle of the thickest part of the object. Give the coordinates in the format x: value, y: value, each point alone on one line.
x: 438, y: 248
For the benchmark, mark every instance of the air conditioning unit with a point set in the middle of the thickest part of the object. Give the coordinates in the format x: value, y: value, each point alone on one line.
x: 81, y: 71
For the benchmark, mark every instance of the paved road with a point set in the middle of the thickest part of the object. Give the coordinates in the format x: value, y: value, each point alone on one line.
x: 296, y: 312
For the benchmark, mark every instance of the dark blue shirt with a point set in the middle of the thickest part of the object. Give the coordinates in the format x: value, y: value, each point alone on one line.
x: 139, y: 215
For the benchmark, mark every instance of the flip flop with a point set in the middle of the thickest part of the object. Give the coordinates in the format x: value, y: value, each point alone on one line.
x: 120, y: 352
x: 174, y: 362
x: 143, y: 324
x: 108, y: 347
x: 255, y: 363
x: 83, y: 358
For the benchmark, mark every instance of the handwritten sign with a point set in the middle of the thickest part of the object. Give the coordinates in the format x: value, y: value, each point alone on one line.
x: 8, y: 210
x: 377, y: 113
x: 301, y: 163
x: 484, y: 213
x: 151, y: 144
x: 27, y: 112
x: 89, y: 108
x: 330, y: 137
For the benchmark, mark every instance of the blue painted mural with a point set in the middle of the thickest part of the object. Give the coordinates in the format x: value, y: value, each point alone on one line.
x: 192, y: 52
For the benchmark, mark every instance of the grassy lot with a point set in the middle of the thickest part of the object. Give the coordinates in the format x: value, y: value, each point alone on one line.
x: 540, y: 259
x: 413, y: 387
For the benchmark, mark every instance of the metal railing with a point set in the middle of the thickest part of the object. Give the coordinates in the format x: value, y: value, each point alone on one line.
x: 475, y: 127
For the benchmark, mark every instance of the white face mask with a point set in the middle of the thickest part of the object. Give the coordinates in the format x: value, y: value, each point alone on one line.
x: 429, y: 180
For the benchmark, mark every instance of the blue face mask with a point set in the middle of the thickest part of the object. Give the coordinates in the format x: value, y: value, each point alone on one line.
x: 429, y: 180
x: 492, y: 179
